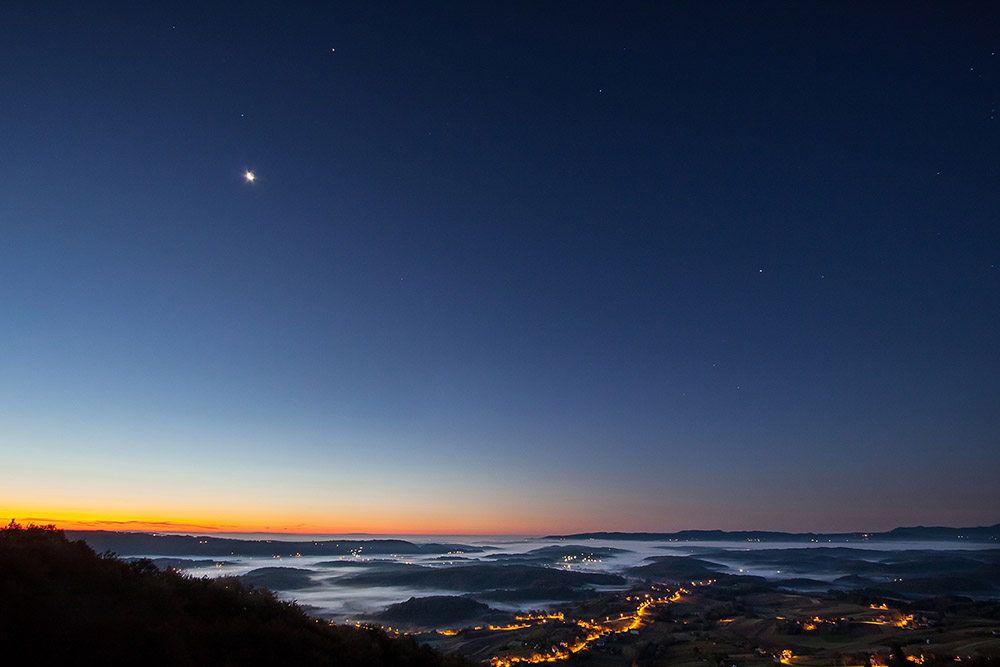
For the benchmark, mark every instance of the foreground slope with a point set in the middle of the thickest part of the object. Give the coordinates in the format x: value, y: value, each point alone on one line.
x: 60, y: 600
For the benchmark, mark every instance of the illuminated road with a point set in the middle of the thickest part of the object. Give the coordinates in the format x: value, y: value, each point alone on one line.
x: 593, y: 630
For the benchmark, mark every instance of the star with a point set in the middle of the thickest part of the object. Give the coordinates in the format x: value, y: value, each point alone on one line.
x: 249, y: 176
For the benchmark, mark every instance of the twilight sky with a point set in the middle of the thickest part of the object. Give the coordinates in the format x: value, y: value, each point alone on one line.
x: 505, y: 267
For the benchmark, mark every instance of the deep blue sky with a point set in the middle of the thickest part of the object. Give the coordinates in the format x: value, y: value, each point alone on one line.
x: 505, y: 266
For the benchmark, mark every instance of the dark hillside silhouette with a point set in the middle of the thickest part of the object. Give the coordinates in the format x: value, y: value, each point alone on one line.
x: 140, y: 544
x: 60, y: 601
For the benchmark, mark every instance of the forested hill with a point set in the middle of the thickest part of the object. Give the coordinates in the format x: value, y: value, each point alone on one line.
x: 62, y: 602
x: 142, y: 544
x: 914, y: 533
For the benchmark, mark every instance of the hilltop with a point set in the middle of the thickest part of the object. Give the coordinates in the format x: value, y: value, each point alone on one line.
x: 126, y: 543
x: 62, y: 601
x: 912, y: 533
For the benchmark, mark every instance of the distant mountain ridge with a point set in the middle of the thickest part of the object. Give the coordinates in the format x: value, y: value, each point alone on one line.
x: 145, y: 544
x: 912, y: 533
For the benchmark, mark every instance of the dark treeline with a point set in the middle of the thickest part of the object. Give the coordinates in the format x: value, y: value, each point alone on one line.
x: 60, y: 601
x: 911, y: 533
x: 128, y: 544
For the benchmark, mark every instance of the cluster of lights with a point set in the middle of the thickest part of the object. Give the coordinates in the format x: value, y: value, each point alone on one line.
x: 557, y: 616
x: 594, y: 630
x: 903, y: 621
x: 583, y: 558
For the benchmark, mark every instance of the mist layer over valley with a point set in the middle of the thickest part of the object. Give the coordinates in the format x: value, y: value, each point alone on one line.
x: 474, y: 580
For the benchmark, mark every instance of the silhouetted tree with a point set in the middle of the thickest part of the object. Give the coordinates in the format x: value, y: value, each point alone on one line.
x: 897, y: 657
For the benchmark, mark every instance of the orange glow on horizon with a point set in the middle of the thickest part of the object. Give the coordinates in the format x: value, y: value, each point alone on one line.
x: 114, y: 521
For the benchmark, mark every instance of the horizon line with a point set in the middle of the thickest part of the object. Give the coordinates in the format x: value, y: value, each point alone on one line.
x: 182, y: 529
